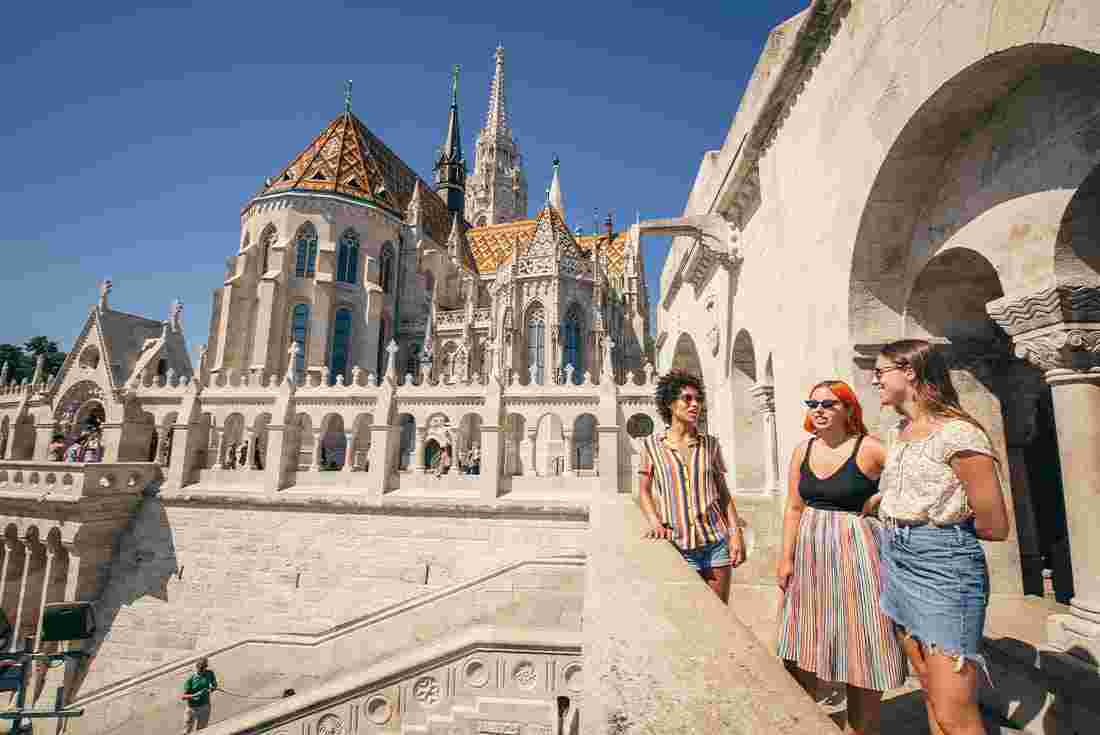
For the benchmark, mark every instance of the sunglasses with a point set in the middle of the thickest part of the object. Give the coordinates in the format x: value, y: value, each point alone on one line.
x: 826, y: 404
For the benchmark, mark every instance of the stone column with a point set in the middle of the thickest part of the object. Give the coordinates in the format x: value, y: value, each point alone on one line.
x: 418, y: 452
x: 28, y: 554
x: 570, y: 452
x: 531, y: 451
x: 315, y: 465
x: 764, y: 395
x: 349, y: 452
x: 46, y: 574
x: 1056, y: 330
x: 219, y: 443
x: 9, y: 548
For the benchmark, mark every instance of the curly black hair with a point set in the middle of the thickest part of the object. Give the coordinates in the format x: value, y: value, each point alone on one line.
x: 668, y: 390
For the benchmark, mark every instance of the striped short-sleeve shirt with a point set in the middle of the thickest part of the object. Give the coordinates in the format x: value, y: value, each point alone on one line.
x: 687, y: 490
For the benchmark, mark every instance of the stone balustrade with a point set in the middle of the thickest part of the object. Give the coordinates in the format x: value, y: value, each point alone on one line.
x: 73, y: 481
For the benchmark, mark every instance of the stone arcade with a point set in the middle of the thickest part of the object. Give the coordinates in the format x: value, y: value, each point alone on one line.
x: 920, y: 169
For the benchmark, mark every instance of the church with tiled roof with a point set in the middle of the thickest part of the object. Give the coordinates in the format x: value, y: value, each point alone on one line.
x: 346, y: 250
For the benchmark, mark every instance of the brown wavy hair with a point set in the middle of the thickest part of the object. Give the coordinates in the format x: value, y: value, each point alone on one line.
x: 935, y: 391
x: 847, y: 396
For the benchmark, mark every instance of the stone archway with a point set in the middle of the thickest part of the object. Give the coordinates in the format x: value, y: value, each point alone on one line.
x: 748, y: 431
x: 686, y: 357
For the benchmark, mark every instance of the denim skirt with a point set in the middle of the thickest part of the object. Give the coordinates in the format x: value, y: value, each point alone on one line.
x: 935, y: 585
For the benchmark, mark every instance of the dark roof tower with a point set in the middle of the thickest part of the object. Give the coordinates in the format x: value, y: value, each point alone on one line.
x: 450, y: 167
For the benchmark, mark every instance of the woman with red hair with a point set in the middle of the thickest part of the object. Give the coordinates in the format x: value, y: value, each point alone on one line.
x: 831, y: 628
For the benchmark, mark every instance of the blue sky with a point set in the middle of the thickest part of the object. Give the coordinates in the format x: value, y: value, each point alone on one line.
x: 133, y: 136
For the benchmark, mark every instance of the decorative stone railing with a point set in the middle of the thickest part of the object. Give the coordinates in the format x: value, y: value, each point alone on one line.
x: 482, y: 317
x: 264, y: 665
x: 453, y: 318
x: 65, y: 481
x: 685, y: 663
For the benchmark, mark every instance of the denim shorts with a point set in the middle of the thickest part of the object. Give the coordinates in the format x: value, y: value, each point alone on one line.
x: 935, y: 585
x: 710, y: 556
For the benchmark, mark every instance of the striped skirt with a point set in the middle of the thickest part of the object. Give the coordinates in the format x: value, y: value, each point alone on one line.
x: 831, y: 624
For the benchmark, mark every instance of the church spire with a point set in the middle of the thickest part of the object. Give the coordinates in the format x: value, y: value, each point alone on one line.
x: 555, y: 199
x: 496, y: 191
x: 450, y: 167
x: 496, y: 121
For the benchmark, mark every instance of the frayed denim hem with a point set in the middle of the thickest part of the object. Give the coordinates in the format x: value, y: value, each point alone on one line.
x: 960, y: 659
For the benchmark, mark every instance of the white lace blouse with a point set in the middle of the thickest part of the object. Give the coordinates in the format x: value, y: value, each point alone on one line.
x: 918, y: 484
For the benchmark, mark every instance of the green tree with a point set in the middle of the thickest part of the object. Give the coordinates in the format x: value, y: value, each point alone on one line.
x: 36, y: 346
x: 13, y: 356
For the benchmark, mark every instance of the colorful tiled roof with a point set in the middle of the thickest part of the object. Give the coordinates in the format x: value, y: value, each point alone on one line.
x: 491, y: 245
x: 347, y: 159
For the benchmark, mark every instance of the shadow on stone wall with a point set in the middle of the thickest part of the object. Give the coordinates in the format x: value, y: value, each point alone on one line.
x: 142, y: 565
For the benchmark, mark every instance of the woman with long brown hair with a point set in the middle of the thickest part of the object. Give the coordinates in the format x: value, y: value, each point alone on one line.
x: 831, y: 628
x: 940, y: 494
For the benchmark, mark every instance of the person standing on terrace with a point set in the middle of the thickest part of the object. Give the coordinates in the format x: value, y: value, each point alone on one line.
x: 683, y: 468
x: 831, y: 628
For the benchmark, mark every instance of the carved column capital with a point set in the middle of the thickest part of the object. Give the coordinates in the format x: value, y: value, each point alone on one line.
x: 764, y: 398
x: 1062, y: 349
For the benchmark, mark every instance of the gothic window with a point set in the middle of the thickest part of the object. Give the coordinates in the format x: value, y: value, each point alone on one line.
x: 341, y: 345
x: 347, y: 258
x: 571, y: 345
x: 536, y: 337
x: 267, y: 239
x: 299, y: 330
x: 307, y: 251
x: 386, y: 261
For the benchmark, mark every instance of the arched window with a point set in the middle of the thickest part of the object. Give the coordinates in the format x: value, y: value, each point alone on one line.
x: 267, y: 239
x: 307, y: 251
x: 536, y: 337
x: 571, y: 346
x: 347, y: 258
x: 299, y: 330
x: 386, y: 265
x: 341, y: 344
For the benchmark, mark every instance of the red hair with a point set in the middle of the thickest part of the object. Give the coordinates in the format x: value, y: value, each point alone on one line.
x: 847, y: 396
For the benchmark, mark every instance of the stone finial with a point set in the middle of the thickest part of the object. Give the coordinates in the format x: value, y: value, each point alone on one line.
x: 569, y: 370
x: 325, y: 376
x: 356, y: 375
x: 532, y: 374
x: 425, y: 373
x: 339, y: 380
x: 391, y: 360
x: 5, y: 373
x: 588, y: 377
x: 372, y: 379
x: 39, y: 370
x: 649, y: 372
x: 291, y: 363
x: 171, y: 375
x: 512, y: 377
x: 175, y: 316
x: 408, y: 379
x: 105, y: 287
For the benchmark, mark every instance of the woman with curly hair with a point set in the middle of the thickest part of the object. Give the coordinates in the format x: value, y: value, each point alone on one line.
x: 693, y: 507
x: 940, y: 495
x: 831, y: 628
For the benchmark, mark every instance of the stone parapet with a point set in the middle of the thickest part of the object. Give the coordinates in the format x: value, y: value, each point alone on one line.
x: 685, y: 663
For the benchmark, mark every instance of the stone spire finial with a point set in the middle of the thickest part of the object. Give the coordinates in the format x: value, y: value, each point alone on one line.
x: 496, y: 121
x: 39, y: 370
x: 554, y: 197
x: 347, y: 96
x: 391, y: 361
x: 105, y: 287
x: 292, y: 362
x: 175, y: 315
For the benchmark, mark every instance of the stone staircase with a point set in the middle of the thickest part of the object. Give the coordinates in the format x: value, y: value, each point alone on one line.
x: 543, y: 594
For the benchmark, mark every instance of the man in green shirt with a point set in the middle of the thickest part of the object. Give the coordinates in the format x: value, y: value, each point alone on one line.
x: 196, y: 692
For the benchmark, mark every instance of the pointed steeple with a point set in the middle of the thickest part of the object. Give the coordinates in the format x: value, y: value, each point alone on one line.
x: 496, y: 121
x: 458, y: 246
x: 555, y: 198
x: 450, y: 167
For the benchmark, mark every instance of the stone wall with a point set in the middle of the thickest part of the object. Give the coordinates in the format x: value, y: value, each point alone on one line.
x: 191, y: 577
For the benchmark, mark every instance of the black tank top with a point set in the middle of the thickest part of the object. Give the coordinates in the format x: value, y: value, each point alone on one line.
x: 847, y: 489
